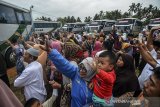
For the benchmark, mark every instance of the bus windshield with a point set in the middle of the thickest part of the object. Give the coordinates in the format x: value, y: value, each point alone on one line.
x: 125, y: 21
x: 155, y: 21
x: 79, y: 25
x: 70, y: 25
x: 109, y: 24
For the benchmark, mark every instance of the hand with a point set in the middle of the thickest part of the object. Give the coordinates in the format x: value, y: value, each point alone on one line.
x: 91, y: 85
x: 119, y: 52
x: 46, y: 47
x: 94, y: 65
x: 55, y: 84
x: 53, y: 68
x: 7, y: 41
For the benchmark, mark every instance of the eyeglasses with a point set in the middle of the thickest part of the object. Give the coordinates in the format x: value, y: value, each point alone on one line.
x: 82, y: 67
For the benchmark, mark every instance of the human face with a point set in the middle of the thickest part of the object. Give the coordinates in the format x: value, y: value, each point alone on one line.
x: 27, y: 57
x: 120, y: 62
x: 90, y: 39
x: 104, y: 64
x: 101, y: 39
x: 152, y: 87
x: 83, y: 70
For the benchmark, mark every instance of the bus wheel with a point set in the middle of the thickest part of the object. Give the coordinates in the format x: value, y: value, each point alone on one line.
x: 10, y: 58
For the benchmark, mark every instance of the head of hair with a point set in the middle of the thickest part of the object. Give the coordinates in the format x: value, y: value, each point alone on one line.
x: 128, y: 62
x: 156, y: 43
x: 110, y: 55
x: 157, y: 72
x: 107, y: 45
x: 130, y: 35
x: 30, y: 102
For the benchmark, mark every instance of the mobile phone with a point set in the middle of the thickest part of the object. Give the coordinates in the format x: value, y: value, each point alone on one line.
x: 140, y: 37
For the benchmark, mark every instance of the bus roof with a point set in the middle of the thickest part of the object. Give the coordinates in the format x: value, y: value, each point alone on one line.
x: 13, y: 6
x: 129, y: 18
x: 42, y: 21
x: 80, y: 23
x: 104, y: 20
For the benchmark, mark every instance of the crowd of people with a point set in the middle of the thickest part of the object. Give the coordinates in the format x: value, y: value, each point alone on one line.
x: 64, y: 69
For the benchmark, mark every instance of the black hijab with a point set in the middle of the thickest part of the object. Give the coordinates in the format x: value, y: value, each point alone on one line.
x: 126, y: 79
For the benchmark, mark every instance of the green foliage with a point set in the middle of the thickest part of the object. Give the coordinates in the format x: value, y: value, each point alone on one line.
x: 44, y: 18
x: 78, y: 19
x: 88, y: 19
x: 68, y: 19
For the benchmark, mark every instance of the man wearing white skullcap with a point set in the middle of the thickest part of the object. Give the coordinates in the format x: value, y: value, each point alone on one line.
x: 32, y: 77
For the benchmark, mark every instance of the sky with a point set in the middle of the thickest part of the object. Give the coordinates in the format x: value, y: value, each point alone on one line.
x: 77, y: 8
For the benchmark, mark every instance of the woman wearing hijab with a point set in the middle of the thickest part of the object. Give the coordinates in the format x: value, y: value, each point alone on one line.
x: 126, y: 79
x: 80, y: 77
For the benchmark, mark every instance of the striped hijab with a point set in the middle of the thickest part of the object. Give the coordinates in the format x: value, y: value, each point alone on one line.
x: 72, y: 50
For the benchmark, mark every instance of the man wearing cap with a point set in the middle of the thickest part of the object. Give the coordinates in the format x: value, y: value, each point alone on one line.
x: 32, y: 77
x: 153, y: 47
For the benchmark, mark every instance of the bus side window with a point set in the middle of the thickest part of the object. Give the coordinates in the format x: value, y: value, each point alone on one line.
x: 138, y: 23
x: 7, y: 15
x: 20, y: 17
x: 27, y: 18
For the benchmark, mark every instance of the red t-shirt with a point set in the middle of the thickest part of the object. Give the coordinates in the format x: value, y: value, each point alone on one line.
x: 103, y: 84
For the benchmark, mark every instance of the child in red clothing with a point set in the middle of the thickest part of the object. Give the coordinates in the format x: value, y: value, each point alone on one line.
x: 104, y: 79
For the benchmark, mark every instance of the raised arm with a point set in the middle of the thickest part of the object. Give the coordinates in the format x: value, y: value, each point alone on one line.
x: 147, y: 56
x: 8, y: 41
x: 62, y: 64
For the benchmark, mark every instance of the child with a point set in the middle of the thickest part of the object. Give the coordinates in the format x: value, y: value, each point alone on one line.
x: 104, y: 79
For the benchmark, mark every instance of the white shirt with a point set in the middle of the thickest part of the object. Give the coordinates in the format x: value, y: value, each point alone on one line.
x: 32, y: 81
x: 147, y: 70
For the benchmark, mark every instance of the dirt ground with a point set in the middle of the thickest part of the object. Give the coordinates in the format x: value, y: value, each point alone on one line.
x: 17, y: 91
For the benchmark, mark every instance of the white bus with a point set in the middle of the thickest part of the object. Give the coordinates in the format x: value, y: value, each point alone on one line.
x: 154, y: 22
x: 13, y: 19
x: 79, y: 27
x: 96, y: 25
x: 108, y: 27
x: 68, y: 27
x: 129, y: 25
x: 45, y: 26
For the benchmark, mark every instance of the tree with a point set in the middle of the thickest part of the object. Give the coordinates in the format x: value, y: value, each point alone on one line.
x: 44, y: 18
x: 96, y: 17
x: 125, y: 15
x: 132, y: 8
x: 73, y: 20
x: 101, y: 15
x: 87, y: 19
x: 62, y: 20
x: 78, y: 19
x: 68, y: 19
